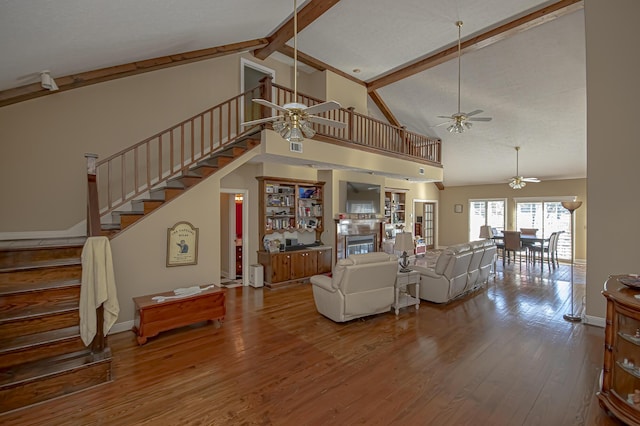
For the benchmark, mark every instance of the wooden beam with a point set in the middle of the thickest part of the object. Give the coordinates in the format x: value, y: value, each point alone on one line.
x: 312, y: 11
x: 317, y: 64
x: 439, y: 185
x: 488, y: 38
x: 375, y: 97
x: 35, y: 90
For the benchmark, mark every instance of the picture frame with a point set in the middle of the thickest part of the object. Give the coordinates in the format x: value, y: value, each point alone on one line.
x: 457, y: 208
x: 182, y: 244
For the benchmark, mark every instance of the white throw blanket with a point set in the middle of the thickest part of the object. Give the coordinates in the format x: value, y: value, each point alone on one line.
x: 98, y: 287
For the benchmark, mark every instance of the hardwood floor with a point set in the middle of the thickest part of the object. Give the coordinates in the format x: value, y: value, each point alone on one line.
x: 501, y: 356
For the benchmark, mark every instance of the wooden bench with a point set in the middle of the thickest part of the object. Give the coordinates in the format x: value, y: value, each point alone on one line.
x: 153, y: 317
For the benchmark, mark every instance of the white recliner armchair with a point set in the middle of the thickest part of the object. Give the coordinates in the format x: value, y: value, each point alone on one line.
x: 361, y: 285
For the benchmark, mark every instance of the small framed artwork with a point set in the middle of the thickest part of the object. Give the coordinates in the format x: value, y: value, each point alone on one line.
x: 457, y: 208
x: 182, y: 245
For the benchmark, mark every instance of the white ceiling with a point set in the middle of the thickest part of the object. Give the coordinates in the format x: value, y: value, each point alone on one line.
x: 532, y: 84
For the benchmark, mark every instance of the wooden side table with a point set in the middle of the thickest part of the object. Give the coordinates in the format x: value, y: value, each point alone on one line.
x: 402, y: 297
x: 153, y: 317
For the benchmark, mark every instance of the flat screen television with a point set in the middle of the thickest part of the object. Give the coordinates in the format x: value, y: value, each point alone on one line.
x: 363, y: 198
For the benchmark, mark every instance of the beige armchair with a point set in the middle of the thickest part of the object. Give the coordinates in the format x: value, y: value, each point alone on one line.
x: 361, y: 285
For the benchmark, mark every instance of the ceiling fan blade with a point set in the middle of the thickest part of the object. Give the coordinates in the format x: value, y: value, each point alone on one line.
x: 480, y: 119
x: 270, y: 105
x: 326, y: 121
x: 442, y: 124
x: 325, y: 106
x: 534, y: 180
x: 260, y: 121
x: 469, y: 114
x: 446, y: 116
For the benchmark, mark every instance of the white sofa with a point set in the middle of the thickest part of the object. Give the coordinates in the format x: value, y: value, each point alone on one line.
x: 360, y: 285
x: 458, y: 270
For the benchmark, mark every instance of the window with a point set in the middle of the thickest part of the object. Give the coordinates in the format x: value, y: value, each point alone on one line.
x: 485, y: 212
x: 548, y: 216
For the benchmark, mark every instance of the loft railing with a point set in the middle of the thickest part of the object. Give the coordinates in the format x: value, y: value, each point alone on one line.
x: 363, y: 130
x: 133, y: 171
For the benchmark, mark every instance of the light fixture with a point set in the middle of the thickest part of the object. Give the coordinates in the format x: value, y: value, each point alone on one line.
x: 486, y: 232
x: 517, y: 184
x: 47, y: 82
x: 404, y: 243
x: 571, y: 206
x: 461, y: 120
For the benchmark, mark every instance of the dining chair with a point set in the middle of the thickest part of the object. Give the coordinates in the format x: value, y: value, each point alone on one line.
x: 512, y: 244
x: 545, y: 247
x: 528, y: 244
x: 553, y: 253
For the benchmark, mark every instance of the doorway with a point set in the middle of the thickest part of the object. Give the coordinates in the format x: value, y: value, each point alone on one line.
x: 425, y: 223
x: 250, y: 76
x: 234, y: 219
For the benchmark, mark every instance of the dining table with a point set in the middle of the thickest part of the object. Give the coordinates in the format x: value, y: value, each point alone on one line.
x: 528, y: 240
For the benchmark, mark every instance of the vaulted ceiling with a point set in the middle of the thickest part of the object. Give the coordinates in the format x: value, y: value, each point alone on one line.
x: 523, y: 63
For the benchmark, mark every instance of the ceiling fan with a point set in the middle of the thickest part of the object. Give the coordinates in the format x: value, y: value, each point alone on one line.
x: 519, y: 182
x: 461, y: 120
x: 295, y: 120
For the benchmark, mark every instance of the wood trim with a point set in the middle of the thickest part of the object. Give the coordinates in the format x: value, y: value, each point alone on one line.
x: 74, y: 81
x: 375, y: 97
x: 485, y: 39
x: 312, y: 11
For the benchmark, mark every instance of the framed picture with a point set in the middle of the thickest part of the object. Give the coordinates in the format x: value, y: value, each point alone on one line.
x: 182, y: 245
x: 457, y: 208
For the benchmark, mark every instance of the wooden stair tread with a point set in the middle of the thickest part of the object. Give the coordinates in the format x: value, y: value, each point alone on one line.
x: 38, y: 311
x: 38, y: 339
x: 41, y: 244
x: 11, y: 289
x: 21, y: 374
x: 43, y: 264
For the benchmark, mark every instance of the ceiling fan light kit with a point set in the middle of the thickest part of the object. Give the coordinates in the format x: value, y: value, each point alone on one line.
x: 519, y: 182
x: 461, y: 120
x: 295, y: 122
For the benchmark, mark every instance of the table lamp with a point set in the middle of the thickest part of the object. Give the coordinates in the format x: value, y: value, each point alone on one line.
x: 486, y: 232
x: 404, y: 243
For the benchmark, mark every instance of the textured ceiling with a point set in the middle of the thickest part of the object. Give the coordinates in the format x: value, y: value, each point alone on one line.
x: 532, y: 84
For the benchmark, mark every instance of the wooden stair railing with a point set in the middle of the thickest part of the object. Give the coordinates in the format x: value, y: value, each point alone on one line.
x: 185, y: 153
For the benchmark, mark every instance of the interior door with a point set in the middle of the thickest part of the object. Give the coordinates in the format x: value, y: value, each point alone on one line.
x: 252, y: 73
x: 429, y: 224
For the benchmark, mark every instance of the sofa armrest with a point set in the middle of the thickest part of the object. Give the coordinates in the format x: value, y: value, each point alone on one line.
x: 427, y: 272
x: 323, y: 281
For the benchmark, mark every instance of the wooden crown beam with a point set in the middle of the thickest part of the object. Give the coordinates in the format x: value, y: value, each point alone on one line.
x: 312, y: 11
x: 375, y: 97
x: 488, y: 38
x: 35, y: 90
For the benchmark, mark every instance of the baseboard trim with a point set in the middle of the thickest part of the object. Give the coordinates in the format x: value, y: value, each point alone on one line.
x: 595, y: 321
x: 121, y: 326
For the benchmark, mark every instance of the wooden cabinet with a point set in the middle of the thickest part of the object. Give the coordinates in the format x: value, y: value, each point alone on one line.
x: 325, y: 259
x: 238, y: 261
x: 620, y: 393
x: 279, y: 268
x: 303, y: 264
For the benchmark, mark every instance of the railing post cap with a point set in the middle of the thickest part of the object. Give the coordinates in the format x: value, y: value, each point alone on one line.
x: 90, y: 155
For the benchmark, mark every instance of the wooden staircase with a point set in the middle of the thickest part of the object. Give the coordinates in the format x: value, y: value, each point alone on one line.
x: 173, y: 187
x: 41, y: 353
